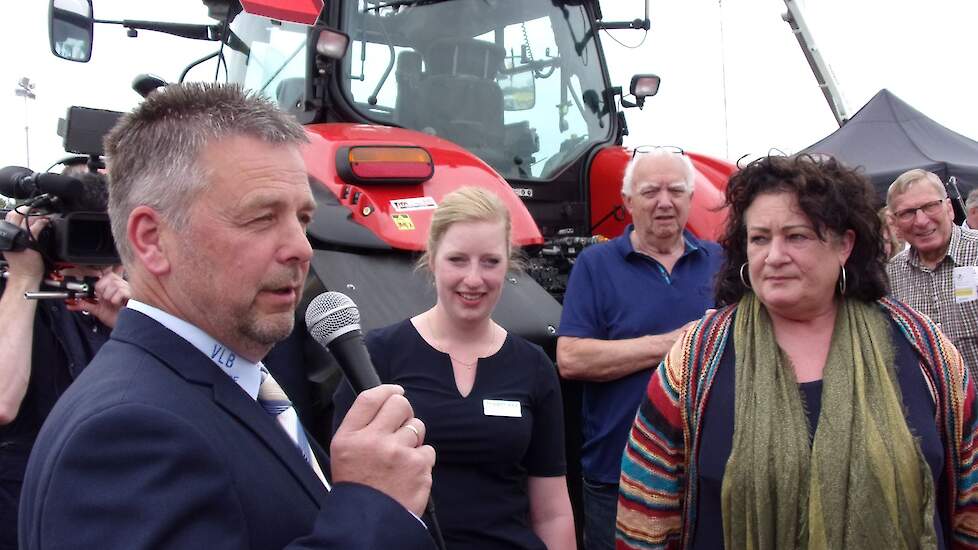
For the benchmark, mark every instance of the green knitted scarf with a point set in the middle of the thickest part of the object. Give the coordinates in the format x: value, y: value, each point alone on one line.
x: 863, y: 481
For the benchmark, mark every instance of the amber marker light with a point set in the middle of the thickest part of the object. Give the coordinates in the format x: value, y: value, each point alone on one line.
x: 393, y: 164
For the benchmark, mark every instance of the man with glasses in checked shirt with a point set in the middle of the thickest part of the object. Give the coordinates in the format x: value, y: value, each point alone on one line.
x: 936, y: 274
x: 628, y: 300
x: 176, y: 436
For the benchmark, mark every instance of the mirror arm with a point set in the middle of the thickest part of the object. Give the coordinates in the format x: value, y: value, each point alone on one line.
x: 639, y: 102
x: 617, y: 91
x: 644, y: 24
x: 185, y: 30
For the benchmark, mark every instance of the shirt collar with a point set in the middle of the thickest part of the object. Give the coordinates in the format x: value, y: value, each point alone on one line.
x: 246, y: 374
x: 954, y: 249
x: 690, y: 243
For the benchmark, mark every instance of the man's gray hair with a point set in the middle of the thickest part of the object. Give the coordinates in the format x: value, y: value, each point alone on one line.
x: 972, y: 200
x: 905, y: 180
x: 153, y: 151
x: 628, y: 186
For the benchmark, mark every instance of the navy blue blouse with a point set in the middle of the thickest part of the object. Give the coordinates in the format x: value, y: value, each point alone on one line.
x: 484, y: 460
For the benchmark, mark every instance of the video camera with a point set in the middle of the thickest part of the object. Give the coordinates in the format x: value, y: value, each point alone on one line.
x: 79, y: 232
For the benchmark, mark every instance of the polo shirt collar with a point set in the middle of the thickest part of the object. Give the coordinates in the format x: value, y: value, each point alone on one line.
x: 624, y: 246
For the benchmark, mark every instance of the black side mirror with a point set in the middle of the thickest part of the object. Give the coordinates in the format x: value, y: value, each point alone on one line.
x: 70, y: 29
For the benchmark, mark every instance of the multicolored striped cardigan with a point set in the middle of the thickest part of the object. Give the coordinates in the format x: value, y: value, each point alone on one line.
x: 657, y: 508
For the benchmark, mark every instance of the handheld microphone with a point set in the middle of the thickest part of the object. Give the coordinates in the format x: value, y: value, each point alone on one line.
x: 333, y: 321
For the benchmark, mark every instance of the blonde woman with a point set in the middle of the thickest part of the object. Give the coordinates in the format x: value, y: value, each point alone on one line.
x: 490, y: 400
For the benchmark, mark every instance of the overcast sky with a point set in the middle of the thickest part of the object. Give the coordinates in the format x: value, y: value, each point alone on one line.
x: 734, y: 80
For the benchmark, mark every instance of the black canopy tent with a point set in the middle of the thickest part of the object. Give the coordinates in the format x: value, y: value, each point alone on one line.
x: 888, y: 137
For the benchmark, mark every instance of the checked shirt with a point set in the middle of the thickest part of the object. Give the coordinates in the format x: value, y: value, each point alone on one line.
x: 931, y: 292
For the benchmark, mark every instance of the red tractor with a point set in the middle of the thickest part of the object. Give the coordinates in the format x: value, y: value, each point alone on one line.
x: 406, y: 100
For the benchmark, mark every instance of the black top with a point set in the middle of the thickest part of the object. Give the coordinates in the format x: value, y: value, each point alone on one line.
x: 64, y: 343
x: 483, y: 460
x: 718, y: 426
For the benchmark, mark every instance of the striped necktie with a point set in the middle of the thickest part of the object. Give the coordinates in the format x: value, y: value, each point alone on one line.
x: 277, y: 404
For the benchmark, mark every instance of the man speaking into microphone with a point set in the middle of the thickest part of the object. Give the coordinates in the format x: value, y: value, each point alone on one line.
x: 176, y: 436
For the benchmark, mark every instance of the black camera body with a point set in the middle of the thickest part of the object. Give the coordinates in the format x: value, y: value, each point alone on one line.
x: 80, y: 238
x: 78, y: 232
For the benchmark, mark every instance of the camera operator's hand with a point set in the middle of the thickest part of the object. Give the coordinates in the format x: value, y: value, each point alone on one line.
x: 26, y: 267
x: 25, y: 272
x: 111, y: 295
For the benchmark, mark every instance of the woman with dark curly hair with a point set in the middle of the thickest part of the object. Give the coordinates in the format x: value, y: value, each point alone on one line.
x: 809, y: 411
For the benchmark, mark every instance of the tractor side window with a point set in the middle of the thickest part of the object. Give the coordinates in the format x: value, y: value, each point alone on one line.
x: 543, y: 115
x: 382, y: 78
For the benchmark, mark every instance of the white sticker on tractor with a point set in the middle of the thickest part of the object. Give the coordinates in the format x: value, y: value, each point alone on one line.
x: 414, y: 203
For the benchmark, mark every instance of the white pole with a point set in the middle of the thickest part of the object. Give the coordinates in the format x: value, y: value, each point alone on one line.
x: 27, y: 133
x: 25, y: 88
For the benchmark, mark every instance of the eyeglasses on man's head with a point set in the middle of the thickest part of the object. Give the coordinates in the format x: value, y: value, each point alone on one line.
x: 645, y: 149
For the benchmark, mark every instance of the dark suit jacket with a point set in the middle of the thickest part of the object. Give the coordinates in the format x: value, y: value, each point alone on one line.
x: 154, y: 446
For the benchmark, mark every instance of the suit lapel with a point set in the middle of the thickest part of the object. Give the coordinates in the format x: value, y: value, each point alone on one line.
x: 189, y: 363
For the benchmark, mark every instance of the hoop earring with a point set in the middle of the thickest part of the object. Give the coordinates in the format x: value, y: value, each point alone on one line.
x: 842, y: 282
x: 742, y: 278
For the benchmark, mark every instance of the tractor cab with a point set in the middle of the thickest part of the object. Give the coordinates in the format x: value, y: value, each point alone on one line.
x: 520, y: 84
x: 405, y: 101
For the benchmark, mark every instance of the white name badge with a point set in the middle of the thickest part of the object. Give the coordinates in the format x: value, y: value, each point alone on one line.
x: 965, y: 284
x: 497, y: 407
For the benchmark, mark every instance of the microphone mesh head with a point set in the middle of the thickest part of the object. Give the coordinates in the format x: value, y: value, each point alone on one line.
x: 331, y: 314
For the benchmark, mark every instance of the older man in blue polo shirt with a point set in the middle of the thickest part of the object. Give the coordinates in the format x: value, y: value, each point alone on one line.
x: 628, y: 300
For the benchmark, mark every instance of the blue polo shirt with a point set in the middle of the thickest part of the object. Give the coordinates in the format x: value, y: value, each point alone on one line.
x: 616, y: 293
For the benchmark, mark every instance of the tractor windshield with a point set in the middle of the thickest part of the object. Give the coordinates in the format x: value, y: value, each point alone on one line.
x: 275, y: 61
x: 519, y: 83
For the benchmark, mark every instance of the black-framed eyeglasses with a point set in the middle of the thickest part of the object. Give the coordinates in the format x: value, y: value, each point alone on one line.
x: 643, y: 149
x: 928, y: 208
